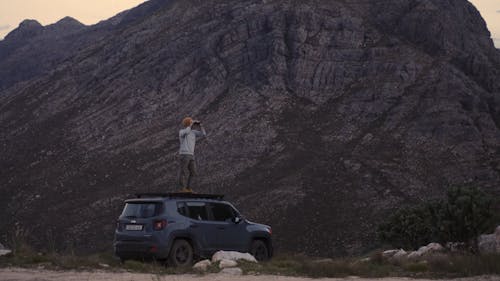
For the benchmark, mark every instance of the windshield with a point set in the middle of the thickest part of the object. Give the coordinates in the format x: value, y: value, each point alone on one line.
x: 141, y: 210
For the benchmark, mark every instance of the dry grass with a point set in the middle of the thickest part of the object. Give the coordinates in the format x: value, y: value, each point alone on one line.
x: 437, y: 266
x: 376, y: 266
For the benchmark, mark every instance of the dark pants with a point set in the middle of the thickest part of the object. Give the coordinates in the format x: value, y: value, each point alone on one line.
x: 187, y: 170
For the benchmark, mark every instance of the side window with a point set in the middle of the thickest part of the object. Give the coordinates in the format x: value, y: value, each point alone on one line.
x: 182, y: 209
x: 222, y: 212
x: 197, y: 210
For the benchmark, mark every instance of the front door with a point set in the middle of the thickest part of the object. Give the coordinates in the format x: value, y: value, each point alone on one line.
x: 231, y: 236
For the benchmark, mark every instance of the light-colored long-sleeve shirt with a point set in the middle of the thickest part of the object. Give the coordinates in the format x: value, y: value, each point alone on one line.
x: 187, y: 139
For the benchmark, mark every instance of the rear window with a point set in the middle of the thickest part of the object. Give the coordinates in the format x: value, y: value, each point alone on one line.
x: 142, y: 210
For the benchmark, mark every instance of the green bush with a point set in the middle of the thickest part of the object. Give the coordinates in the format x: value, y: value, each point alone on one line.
x: 466, y: 213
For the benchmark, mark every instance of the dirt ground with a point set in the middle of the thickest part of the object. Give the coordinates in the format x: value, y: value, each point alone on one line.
x: 15, y: 274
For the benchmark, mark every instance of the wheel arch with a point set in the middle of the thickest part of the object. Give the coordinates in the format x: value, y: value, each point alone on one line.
x: 266, y: 239
x: 188, y: 238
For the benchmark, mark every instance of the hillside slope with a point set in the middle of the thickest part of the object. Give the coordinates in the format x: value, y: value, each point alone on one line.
x: 323, y: 116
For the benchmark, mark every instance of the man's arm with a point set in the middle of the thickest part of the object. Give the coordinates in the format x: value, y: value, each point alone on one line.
x: 201, y: 134
x: 184, y: 132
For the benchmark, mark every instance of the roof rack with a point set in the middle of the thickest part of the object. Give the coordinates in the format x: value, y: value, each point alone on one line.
x: 181, y: 195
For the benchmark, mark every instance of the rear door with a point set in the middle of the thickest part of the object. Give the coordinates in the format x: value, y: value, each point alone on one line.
x: 200, y: 227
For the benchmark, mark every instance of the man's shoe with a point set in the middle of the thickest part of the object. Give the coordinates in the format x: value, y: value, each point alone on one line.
x: 189, y: 190
x: 185, y: 190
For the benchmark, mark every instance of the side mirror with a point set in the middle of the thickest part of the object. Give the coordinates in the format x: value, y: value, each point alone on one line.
x: 237, y: 220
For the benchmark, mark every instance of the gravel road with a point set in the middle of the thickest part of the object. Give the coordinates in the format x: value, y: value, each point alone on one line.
x: 17, y: 274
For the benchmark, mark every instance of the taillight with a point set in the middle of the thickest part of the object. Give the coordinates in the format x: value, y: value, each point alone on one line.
x: 270, y: 231
x: 159, y: 225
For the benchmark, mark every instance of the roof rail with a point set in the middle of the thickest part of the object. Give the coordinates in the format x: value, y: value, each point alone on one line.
x: 181, y: 195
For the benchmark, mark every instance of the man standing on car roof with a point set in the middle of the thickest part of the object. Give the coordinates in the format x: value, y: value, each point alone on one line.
x: 187, y: 138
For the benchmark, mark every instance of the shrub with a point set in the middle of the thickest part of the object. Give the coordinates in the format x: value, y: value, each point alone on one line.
x: 465, y: 214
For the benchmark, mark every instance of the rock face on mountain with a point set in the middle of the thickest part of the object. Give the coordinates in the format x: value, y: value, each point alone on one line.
x: 33, y: 50
x: 323, y: 117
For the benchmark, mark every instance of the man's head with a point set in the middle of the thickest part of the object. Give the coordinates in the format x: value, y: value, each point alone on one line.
x: 186, y: 122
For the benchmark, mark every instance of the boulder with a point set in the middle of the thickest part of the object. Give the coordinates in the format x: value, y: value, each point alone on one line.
x: 202, y: 265
x: 232, y: 271
x: 4, y: 251
x: 487, y: 244
x: 401, y: 254
x: 231, y: 255
x: 426, y: 250
x: 227, y: 263
x: 390, y: 253
x: 497, y: 238
x: 367, y: 259
x: 413, y: 255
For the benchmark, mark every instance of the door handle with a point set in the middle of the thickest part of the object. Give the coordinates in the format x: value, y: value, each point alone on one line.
x: 221, y: 227
x: 193, y: 226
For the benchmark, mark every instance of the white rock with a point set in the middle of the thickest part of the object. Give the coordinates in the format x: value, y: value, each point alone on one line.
x: 232, y: 271
x: 105, y: 265
x: 400, y: 254
x: 497, y: 234
x: 487, y: 244
x: 433, y: 247
x: 234, y: 256
x: 227, y: 263
x: 426, y: 250
x: 5, y: 252
x: 413, y: 255
x: 202, y: 265
x: 389, y: 253
x: 368, y: 259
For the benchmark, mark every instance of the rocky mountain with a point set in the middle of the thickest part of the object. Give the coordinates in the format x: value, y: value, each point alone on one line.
x: 32, y: 50
x: 323, y: 117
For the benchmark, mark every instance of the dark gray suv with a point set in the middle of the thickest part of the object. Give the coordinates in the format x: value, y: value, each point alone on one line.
x: 181, y: 228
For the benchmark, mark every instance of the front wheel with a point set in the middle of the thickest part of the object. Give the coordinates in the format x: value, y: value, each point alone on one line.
x: 181, y: 254
x: 259, y: 250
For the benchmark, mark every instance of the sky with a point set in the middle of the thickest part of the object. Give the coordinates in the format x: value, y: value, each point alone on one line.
x: 490, y: 10
x: 12, y: 12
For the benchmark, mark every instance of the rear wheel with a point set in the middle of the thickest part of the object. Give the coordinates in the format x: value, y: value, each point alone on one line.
x: 181, y: 254
x: 259, y: 250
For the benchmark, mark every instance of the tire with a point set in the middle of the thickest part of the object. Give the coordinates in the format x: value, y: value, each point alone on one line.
x: 259, y: 250
x: 181, y: 254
